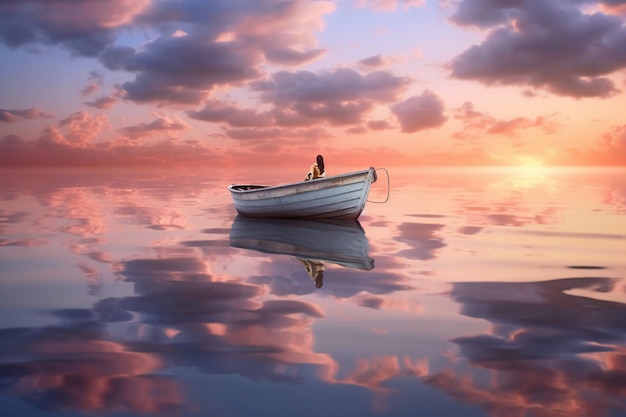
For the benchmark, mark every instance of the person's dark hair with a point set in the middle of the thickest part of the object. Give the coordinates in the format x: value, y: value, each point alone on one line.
x: 319, y: 279
x: 320, y: 163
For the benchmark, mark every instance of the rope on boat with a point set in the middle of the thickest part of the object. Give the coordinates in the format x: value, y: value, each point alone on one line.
x: 388, y: 186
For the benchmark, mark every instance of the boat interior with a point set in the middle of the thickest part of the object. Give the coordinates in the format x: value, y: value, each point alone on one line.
x: 248, y: 187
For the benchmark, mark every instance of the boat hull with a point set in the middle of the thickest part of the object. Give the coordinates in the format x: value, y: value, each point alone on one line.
x: 341, y: 242
x: 337, y: 197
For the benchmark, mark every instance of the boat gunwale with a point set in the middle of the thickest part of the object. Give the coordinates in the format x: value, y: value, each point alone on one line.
x: 232, y: 188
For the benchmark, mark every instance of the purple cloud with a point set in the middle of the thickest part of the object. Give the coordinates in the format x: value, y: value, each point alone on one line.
x: 372, y: 62
x: 93, y: 83
x: 102, y: 103
x: 229, y: 113
x: 311, y: 134
x: 544, y: 44
x: 84, y: 27
x: 378, y: 125
x: 304, y: 100
x: 181, y: 69
x: 198, y: 45
x: 337, y: 85
x: 421, y: 112
x: 160, y: 125
x: 14, y: 115
x: 338, y: 97
x: 204, y: 45
x: 290, y: 56
x: 423, y: 239
x: 485, y: 13
x: 279, y: 30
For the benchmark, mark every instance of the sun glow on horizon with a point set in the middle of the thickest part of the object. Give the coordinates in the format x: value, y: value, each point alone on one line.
x: 527, y: 171
x: 528, y: 161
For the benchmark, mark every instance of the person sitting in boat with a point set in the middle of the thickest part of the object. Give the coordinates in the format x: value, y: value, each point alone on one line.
x: 317, y: 169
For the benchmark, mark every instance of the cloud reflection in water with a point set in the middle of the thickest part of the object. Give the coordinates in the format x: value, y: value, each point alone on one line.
x: 167, y: 296
x: 547, y: 350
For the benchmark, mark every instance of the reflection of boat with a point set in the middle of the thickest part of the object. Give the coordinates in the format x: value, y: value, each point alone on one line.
x: 335, y: 241
x: 337, y: 197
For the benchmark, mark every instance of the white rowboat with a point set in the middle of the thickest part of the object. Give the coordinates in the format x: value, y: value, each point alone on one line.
x: 337, y: 197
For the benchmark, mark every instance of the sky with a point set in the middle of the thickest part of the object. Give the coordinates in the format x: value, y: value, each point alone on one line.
x: 270, y: 83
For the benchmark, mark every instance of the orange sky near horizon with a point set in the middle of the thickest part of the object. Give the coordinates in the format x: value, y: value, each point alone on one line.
x: 273, y: 83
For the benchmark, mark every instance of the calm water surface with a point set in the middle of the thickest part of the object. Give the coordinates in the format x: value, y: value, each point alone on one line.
x: 469, y: 293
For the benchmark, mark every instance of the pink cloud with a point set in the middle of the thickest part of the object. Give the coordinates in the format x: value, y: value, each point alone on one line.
x: 283, y: 31
x: 614, y: 141
x: 374, y: 373
x: 167, y: 152
x: 617, y: 7
x: 76, y: 130
x: 390, y: 5
x: 476, y: 124
x: 96, y: 375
